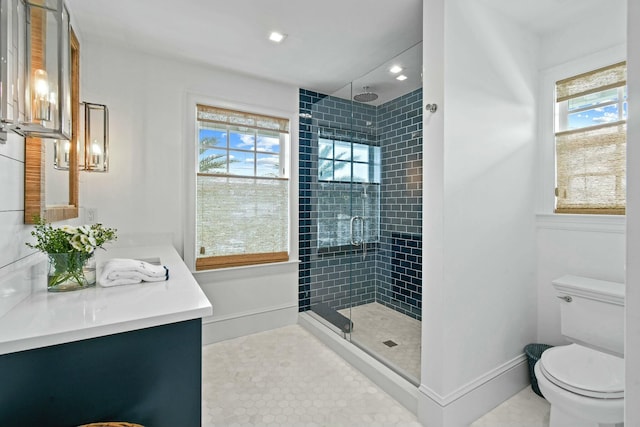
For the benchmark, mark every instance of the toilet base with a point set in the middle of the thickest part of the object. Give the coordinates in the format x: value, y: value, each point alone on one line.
x: 559, y: 418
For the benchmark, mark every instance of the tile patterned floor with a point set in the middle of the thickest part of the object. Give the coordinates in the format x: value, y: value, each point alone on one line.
x: 525, y: 409
x: 286, y: 377
x: 373, y: 324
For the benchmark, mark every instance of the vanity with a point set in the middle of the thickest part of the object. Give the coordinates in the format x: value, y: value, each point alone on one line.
x: 125, y: 353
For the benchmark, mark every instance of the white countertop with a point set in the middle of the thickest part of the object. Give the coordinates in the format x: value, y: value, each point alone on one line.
x: 48, y: 318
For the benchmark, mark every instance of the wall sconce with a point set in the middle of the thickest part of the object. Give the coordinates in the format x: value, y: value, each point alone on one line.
x: 12, y: 65
x: 93, y: 141
x: 37, y: 72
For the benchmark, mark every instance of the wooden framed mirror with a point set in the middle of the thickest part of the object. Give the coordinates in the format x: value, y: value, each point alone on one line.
x: 38, y: 202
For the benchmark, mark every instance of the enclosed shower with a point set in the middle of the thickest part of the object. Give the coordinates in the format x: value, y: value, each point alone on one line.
x: 361, y: 212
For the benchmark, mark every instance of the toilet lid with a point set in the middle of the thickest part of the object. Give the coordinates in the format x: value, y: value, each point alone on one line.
x: 584, y: 371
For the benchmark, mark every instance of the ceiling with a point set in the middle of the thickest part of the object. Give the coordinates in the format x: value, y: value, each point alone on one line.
x: 329, y: 42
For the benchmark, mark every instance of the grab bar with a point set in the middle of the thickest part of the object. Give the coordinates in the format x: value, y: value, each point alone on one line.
x: 354, y: 219
x: 361, y: 242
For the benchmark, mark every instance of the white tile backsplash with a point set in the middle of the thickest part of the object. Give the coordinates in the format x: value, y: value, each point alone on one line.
x: 11, y: 188
x: 20, y: 266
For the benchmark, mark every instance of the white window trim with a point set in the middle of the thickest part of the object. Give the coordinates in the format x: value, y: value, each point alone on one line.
x: 191, y: 163
x: 545, y: 200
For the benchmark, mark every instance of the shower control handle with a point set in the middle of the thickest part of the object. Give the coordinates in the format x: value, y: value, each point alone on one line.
x: 432, y: 108
x: 566, y: 298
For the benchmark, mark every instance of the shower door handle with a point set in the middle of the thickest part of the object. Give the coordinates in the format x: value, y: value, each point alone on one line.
x: 354, y: 242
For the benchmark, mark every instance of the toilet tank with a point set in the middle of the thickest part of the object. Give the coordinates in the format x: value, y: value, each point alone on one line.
x: 592, y: 312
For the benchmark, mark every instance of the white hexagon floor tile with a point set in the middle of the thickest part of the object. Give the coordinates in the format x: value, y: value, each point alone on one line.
x: 286, y: 377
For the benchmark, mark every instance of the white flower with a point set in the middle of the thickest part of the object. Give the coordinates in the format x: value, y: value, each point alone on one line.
x: 76, y: 242
x: 84, y: 229
x: 69, y: 229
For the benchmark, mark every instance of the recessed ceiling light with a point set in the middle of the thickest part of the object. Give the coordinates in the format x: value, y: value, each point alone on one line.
x: 401, y: 77
x: 276, y: 36
x: 395, y: 69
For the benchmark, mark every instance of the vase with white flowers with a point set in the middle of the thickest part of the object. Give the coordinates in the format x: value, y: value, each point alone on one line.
x: 70, y: 252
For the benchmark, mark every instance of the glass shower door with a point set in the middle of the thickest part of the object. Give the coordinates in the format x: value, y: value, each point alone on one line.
x: 344, y: 151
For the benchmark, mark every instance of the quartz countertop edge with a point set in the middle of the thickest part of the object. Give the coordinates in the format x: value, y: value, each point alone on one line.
x: 47, y: 318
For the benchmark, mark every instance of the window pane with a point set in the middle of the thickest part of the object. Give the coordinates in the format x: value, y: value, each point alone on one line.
x: 212, y: 137
x: 595, y: 116
x: 213, y: 161
x: 342, y: 171
x: 268, y: 142
x: 241, y: 163
x: 593, y: 99
x: 325, y: 149
x: 242, y: 139
x: 268, y: 165
x: 325, y: 170
x: 360, y: 172
x: 342, y: 150
x: 360, y: 153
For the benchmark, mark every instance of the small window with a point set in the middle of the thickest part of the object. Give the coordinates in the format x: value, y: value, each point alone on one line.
x: 591, y: 115
x: 344, y: 161
x: 242, y: 204
x: 349, y: 174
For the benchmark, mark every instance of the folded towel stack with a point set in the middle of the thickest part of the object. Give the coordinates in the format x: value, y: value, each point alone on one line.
x: 120, y: 271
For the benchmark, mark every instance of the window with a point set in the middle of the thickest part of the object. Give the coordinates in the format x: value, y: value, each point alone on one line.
x: 345, y: 161
x: 349, y: 177
x: 591, y: 113
x: 242, y: 197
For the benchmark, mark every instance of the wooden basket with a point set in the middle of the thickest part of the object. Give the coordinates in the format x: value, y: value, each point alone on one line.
x: 112, y: 424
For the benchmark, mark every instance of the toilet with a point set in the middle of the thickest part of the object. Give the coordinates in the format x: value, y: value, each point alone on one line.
x: 584, y: 381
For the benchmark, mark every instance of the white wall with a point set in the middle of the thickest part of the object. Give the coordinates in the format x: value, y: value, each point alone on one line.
x: 632, y: 343
x: 583, y: 245
x: 480, y: 150
x: 146, y: 189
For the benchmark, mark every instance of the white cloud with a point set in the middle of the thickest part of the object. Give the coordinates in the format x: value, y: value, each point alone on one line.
x: 266, y: 143
x: 606, y: 118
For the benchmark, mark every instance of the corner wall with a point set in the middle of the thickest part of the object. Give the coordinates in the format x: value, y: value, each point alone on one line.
x: 479, y: 230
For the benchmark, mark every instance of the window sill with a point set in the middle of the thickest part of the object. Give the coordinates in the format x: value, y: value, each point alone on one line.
x: 255, y: 270
x: 591, y: 223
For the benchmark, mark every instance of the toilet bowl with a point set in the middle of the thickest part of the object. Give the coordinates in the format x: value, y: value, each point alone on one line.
x: 584, y: 381
x: 585, y: 387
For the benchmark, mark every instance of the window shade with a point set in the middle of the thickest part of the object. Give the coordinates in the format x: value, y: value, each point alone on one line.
x: 591, y: 82
x: 591, y: 173
x: 239, y: 118
x: 241, y: 217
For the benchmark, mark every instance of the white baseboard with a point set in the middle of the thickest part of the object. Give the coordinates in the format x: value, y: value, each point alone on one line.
x: 471, y: 401
x: 241, y: 324
x: 393, y: 384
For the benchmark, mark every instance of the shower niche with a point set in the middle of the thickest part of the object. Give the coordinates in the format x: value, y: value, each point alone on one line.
x: 361, y: 211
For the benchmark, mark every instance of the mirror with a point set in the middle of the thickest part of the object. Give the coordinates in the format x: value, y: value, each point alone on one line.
x: 60, y: 201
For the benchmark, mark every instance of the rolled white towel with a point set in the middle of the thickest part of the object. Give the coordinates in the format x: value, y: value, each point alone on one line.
x: 119, y: 271
x: 136, y: 275
x: 117, y: 282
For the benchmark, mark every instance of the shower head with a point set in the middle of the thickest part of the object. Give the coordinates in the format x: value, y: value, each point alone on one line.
x: 365, y: 96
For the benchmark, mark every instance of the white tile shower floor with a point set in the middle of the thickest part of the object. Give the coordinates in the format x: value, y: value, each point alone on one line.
x: 286, y: 377
x: 374, y: 324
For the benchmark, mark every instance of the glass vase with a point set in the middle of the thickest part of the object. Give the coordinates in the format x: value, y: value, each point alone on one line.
x: 70, y: 271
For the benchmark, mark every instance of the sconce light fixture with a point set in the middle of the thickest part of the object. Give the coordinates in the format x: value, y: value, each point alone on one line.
x: 34, y: 40
x: 93, y: 141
